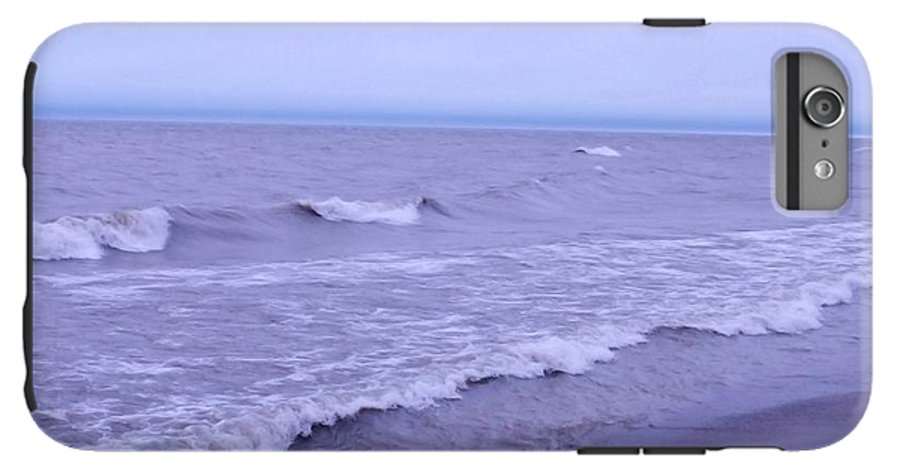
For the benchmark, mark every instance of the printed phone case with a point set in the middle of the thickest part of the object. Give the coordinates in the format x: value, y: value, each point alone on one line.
x: 440, y: 237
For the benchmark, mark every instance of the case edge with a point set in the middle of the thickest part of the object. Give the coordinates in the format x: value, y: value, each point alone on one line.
x: 27, y: 148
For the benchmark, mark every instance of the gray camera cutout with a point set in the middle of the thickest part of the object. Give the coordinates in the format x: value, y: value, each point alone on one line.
x: 811, y: 133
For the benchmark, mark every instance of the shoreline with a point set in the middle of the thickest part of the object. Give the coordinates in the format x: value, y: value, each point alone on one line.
x: 793, y: 391
x: 820, y: 421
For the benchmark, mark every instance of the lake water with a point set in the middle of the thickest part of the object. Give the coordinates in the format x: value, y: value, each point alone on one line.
x: 217, y: 286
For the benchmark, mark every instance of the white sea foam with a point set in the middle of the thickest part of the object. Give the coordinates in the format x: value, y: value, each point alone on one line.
x: 555, y: 354
x: 790, y: 315
x: 359, y: 211
x: 602, y: 150
x: 805, y: 312
x: 86, y: 237
x: 276, y: 426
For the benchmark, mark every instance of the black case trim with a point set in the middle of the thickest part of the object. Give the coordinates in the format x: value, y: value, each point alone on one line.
x: 675, y: 22
x: 651, y: 450
x: 793, y: 131
x: 27, y: 147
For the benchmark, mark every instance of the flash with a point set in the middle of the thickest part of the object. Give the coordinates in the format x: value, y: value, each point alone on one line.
x: 824, y: 169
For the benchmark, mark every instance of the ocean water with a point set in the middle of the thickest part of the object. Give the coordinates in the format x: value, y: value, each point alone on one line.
x: 227, y: 286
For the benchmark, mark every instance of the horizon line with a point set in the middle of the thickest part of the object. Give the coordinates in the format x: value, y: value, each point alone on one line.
x: 649, y: 129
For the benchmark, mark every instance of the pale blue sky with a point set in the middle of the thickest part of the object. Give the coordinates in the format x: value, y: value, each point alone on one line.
x: 716, y: 78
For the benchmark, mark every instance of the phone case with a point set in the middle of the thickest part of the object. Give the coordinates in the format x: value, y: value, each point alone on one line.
x: 440, y: 237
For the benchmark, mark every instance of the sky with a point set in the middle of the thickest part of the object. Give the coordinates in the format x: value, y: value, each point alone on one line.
x: 615, y: 76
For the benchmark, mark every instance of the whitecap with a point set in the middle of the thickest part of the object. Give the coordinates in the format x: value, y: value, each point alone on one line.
x: 87, y: 237
x: 602, y: 151
x: 359, y: 211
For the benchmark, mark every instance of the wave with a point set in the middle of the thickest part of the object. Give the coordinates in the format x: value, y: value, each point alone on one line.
x: 547, y: 194
x: 602, y: 150
x: 277, y: 427
x: 805, y: 312
x: 87, y: 237
x: 575, y: 356
x: 359, y: 211
x: 148, y: 230
x: 791, y: 316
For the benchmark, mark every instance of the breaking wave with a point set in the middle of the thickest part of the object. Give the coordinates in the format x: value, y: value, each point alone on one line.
x: 276, y: 427
x: 602, y: 151
x: 88, y: 237
x: 359, y: 211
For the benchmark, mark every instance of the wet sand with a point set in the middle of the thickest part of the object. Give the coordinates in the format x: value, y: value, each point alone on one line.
x: 807, y: 424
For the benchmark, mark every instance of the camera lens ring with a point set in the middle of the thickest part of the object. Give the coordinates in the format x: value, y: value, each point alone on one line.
x: 811, y: 114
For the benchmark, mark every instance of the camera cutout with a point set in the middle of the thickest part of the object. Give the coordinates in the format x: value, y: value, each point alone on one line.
x: 811, y: 133
x: 824, y: 107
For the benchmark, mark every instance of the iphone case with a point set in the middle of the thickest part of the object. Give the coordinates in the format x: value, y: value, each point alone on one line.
x: 441, y: 237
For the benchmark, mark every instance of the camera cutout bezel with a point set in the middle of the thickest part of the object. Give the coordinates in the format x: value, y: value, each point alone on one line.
x: 810, y: 113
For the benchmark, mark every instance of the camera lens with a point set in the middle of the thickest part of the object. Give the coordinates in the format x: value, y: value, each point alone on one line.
x: 824, y: 107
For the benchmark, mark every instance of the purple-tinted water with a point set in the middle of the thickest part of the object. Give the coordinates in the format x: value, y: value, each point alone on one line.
x: 230, y: 286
